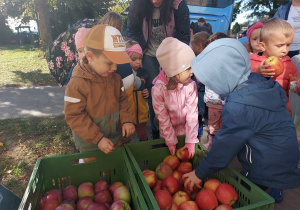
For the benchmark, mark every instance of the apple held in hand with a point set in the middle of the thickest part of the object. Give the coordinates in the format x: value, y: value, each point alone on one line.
x: 182, y: 154
x: 226, y: 194
x: 150, y: 178
x: 211, y: 184
x: 276, y: 64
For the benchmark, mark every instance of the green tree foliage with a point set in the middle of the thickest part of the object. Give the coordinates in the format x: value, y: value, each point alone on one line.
x: 236, y: 28
x: 121, y: 7
x: 260, y: 8
x: 6, y: 33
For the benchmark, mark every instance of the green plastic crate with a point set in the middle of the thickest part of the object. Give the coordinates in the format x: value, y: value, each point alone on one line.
x: 148, y: 154
x: 60, y: 171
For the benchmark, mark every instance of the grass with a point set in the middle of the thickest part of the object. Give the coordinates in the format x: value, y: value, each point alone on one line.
x: 26, y: 140
x: 23, y: 65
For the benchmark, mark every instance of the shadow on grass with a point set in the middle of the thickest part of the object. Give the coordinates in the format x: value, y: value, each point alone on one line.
x: 18, y: 47
x: 32, y: 78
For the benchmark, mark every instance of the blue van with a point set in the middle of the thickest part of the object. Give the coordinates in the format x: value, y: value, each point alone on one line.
x: 216, y: 12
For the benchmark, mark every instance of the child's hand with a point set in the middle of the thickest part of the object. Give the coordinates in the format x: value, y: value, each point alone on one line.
x: 191, y: 149
x: 172, y: 149
x: 127, y: 129
x: 106, y: 145
x: 145, y: 93
x: 261, y: 70
x: 293, y: 79
x: 192, y: 179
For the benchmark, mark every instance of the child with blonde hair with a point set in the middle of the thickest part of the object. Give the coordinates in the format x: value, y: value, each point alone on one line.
x: 96, y: 106
x: 276, y: 37
x: 140, y: 95
x: 174, y: 95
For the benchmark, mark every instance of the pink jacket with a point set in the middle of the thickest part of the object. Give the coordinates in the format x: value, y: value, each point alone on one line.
x: 176, y: 110
x: 284, y: 78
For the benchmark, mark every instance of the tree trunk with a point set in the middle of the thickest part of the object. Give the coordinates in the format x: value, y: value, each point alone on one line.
x: 43, y: 23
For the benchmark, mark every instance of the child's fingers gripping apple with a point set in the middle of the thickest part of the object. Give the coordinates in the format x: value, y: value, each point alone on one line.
x: 191, y: 180
x: 172, y: 149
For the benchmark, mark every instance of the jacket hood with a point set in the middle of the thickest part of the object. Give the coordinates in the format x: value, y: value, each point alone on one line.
x: 259, y: 92
x: 161, y: 78
x: 222, y: 65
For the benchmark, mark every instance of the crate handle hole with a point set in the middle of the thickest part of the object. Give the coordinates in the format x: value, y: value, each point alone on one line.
x: 157, y: 146
x: 247, y: 186
x: 84, y: 160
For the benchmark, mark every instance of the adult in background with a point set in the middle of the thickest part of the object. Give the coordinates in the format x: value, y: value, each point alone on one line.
x: 291, y: 13
x: 151, y: 21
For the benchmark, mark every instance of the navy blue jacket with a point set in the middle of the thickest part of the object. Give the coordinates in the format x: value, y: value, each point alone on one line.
x: 258, y: 129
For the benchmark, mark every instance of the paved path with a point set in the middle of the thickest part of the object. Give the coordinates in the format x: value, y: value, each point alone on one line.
x: 31, y: 101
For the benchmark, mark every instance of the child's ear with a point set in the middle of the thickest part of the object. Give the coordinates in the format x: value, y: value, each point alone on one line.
x: 89, y: 55
x: 262, y: 46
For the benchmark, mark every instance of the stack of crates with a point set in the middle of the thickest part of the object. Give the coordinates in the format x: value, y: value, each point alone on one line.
x: 60, y: 171
x: 148, y: 154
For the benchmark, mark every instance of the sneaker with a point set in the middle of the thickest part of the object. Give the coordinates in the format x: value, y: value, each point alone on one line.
x: 277, y: 194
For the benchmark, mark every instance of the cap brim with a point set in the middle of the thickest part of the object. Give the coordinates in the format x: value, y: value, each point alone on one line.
x: 118, y: 57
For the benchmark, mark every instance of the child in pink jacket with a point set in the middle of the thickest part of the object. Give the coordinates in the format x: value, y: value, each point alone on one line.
x: 174, y: 95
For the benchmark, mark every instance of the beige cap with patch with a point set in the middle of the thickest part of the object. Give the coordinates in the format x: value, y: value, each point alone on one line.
x: 109, y: 40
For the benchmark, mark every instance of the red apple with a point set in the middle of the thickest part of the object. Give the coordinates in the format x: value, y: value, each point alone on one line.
x: 188, y: 205
x: 276, y: 64
x: 65, y: 206
x: 97, y: 206
x: 57, y: 193
x: 49, y: 202
x: 178, y: 175
x: 122, y: 193
x: 180, y: 196
x: 223, y: 207
x: 172, y: 161
x: 174, y: 206
x: 171, y: 184
x: 206, y: 199
x: 103, y: 197
x: 71, y: 202
x: 192, y: 193
x: 182, y: 154
x: 70, y: 192
x: 226, y: 194
x: 114, y: 186
x: 86, y: 189
x: 185, y: 167
x: 157, y: 186
x: 84, y: 202
x: 163, y: 170
x: 150, y: 177
x: 195, y: 188
x: 120, y: 205
x: 107, y: 205
x: 211, y: 184
x: 163, y: 199
x: 101, y: 185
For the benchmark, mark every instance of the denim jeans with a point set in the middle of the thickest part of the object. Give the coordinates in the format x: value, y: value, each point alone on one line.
x: 151, y: 65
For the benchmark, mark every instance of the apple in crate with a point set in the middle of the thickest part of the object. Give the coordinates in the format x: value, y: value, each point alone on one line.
x: 163, y: 199
x: 65, y: 206
x: 84, y: 202
x: 206, y: 199
x: 188, y: 205
x: 178, y: 175
x: 157, y: 186
x: 223, y: 207
x: 180, y: 196
x: 185, y: 167
x: 71, y: 202
x: 172, y: 161
x: 48, y: 202
x: 182, y: 154
x: 276, y: 64
x: 55, y: 192
x: 122, y: 193
x: 211, y: 184
x: 226, y: 194
x: 192, y: 193
x: 163, y: 170
x: 114, y: 186
x: 103, y: 197
x: 150, y: 178
x: 120, y: 205
x: 174, y: 206
x: 97, y: 206
x: 70, y: 192
x: 101, y: 185
x: 86, y: 189
x: 171, y: 184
